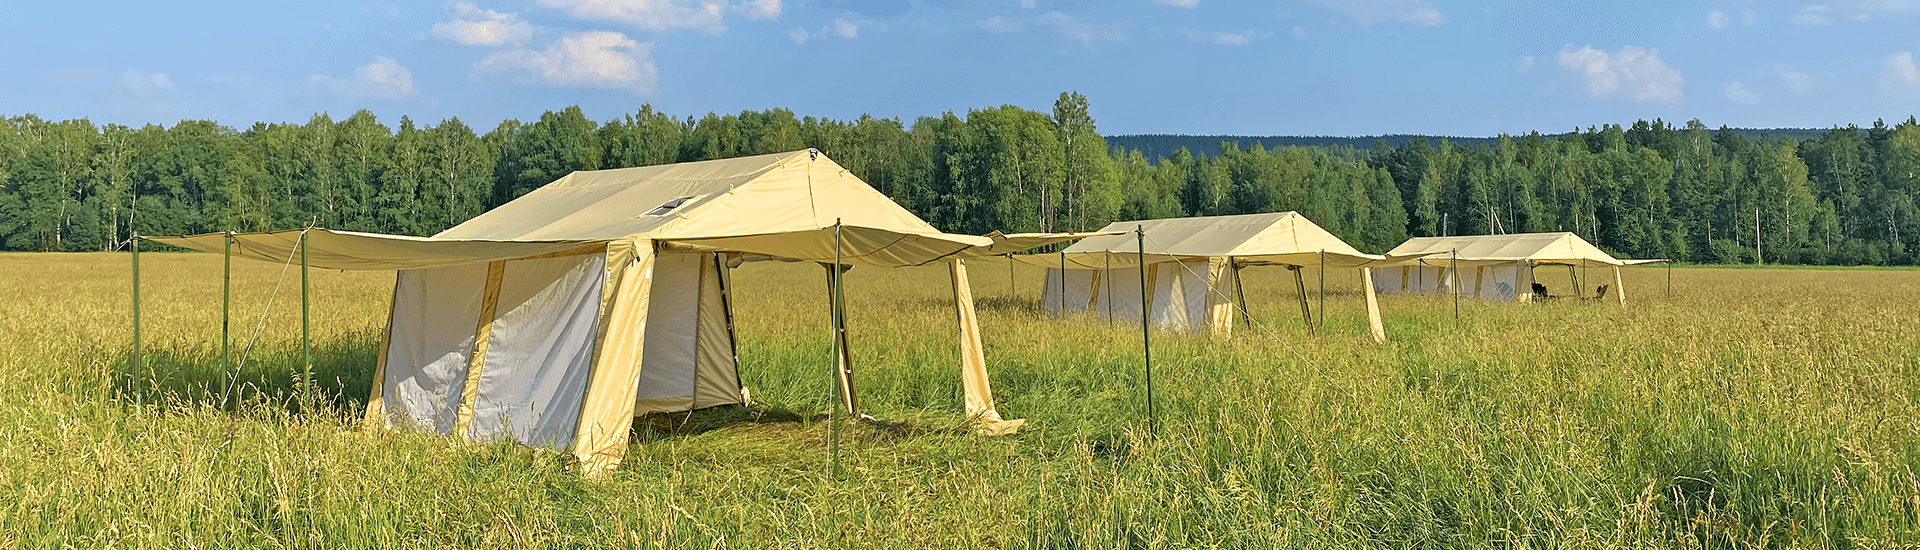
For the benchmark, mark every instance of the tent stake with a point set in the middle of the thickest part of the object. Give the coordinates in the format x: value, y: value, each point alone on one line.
x: 1146, y: 330
x: 133, y: 377
x: 306, y: 326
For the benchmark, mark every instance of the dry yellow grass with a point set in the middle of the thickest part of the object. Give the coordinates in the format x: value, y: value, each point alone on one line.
x: 1770, y: 407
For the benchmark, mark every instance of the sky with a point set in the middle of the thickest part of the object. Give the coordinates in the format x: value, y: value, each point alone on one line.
x: 1251, y: 67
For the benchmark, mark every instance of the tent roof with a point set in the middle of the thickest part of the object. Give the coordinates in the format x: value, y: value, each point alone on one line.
x: 757, y: 195
x: 790, y: 205
x: 1540, y: 248
x: 1285, y: 238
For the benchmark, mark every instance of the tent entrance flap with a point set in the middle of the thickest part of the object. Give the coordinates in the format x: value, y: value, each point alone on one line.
x: 688, y: 362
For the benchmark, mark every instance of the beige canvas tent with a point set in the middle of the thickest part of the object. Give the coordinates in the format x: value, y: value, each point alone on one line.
x: 554, y: 319
x: 1193, y: 268
x: 1496, y: 267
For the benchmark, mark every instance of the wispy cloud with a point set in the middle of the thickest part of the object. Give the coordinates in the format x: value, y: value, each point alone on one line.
x: 1084, y: 32
x: 708, y: 16
x: 601, y: 59
x: 479, y: 27
x: 384, y: 78
x: 1369, y: 12
x: 1178, y: 3
x: 998, y: 24
x: 1827, y: 13
x: 1636, y: 73
x: 1900, y: 71
x: 1718, y: 19
x: 840, y: 28
x: 142, y: 83
x: 759, y: 10
x: 1525, y: 64
x: 1221, y: 38
x: 1740, y: 93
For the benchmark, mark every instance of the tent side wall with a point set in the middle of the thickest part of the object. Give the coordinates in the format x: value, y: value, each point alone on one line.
x: 689, y: 361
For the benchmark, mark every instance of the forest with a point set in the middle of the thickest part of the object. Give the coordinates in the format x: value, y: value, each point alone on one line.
x: 1845, y: 196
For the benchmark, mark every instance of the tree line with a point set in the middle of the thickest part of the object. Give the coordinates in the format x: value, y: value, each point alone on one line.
x: 1846, y: 196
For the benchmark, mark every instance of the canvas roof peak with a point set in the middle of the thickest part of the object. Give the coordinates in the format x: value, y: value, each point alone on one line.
x: 1281, y: 238
x: 1557, y: 247
x: 763, y: 194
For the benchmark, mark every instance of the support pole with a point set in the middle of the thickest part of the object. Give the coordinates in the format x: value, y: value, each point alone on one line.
x: 1322, y: 325
x: 1453, y: 282
x: 1619, y: 290
x: 1240, y: 292
x: 1669, y: 278
x: 306, y: 325
x: 1063, y: 282
x: 133, y: 377
x: 1300, y: 289
x: 226, y: 300
x: 1146, y: 331
x: 839, y: 356
x: 1107, y: 275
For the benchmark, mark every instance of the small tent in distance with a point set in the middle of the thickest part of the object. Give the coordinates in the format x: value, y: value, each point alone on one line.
x: 1192, y: 268
x: 555, y: 318
x: 1500, y: 267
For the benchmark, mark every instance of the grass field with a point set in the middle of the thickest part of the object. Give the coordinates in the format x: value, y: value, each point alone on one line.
x: 1753, y: 408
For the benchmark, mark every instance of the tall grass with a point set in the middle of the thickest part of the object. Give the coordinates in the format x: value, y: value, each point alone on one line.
x: 1754, y: 408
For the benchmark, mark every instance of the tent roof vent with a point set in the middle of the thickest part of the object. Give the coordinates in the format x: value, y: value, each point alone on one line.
x: 667, y: 207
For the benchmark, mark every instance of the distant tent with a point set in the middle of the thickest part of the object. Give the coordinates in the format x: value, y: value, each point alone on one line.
x: 1501, y: 267
x: 1194, y: 267
x: 554, y: 319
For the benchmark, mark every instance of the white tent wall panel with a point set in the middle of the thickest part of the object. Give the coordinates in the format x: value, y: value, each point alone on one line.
x: 540, y: 354
x: 1180, y: 295
x: 430, y: 344
x: 1079, y: 294
x: 667, y: 363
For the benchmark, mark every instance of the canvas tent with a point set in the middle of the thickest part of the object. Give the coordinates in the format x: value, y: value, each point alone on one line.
x: 554, y: 319
x: 1495, y: 267
x: 1193, y: 268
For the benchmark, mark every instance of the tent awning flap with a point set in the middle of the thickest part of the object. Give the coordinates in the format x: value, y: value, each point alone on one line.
x: 332, y: 249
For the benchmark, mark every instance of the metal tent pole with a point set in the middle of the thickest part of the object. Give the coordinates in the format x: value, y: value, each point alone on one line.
x: 226, y: 300
x: 1453, y: 272
x: 132, y: 377
x: 1107, y: 275
x: 1322, y: 324
x: 1146, y: 330
x: 833, y: 420
x: 306, y: 323
x: 1063, y: 282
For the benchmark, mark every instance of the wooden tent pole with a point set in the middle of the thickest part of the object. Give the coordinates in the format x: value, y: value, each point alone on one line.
x: 1300, y: 290
x: 1454, y: 284
x: 1240, y: 292
x: 1322, y: 324
x: 1063, y: 282
x: 839, y: 369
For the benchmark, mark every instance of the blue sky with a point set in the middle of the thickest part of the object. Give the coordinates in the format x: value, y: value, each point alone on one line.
x: 1265, y: 67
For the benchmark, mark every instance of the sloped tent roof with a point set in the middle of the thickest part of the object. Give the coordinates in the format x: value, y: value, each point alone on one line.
x: 1560, y: 248
x: 784, y: 205
x: 1279, y: 238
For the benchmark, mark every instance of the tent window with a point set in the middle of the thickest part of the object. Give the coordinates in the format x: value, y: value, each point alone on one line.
x: 667, y: 207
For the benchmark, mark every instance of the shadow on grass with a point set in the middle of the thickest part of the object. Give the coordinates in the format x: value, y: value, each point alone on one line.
x: 342, y: 375
x: 657, y: 427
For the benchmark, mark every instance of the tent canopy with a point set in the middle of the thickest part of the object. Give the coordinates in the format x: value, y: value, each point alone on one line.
x: 784, y: 205
x: 1278, y: 238
x: 1560, y: 248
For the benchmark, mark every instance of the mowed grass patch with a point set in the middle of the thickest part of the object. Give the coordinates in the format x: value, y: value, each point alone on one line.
x: 1757, y: 408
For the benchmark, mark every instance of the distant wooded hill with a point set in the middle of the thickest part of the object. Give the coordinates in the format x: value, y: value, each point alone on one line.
x: 1157, y: 146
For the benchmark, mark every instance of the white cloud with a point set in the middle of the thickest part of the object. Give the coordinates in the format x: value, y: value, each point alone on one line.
x: 1798, y: 82
x: 1747, y: 17
x: 1179, y: 3
x: 843, y: 29
x: 1084, y: 32
x: 1368, y: 12
x: 602, y: 59
x: 143, y: 83
x: 1718, y: 19
x: 477, y: 27
x: 1827, y: 13
x: 1637, y: 73
x: 1028, y: 4
x: 1221, y: 38
x: 1525, y: 64
x: 1900, y: 70
x: 384, y: 78
x: 1299, y: 32
x: 998, y: 24
x: 759, y: 10
x: 708, y: 16
x: 840, y: 28
x: 1740, y: 93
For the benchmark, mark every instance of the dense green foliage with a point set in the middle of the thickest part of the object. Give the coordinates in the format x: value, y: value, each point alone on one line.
x: 1845, y: 196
